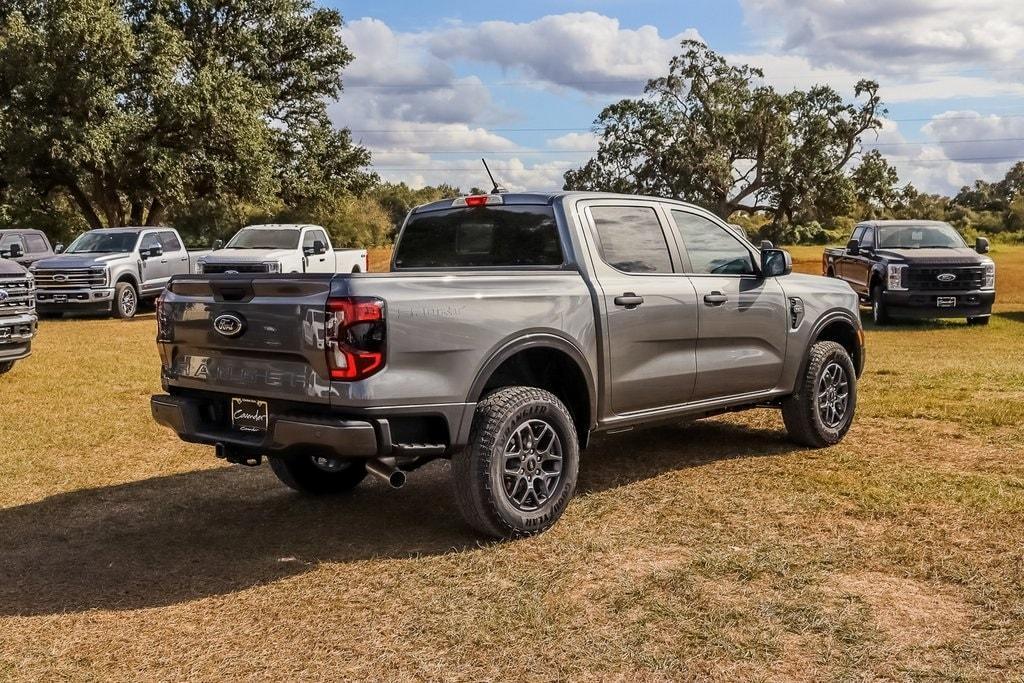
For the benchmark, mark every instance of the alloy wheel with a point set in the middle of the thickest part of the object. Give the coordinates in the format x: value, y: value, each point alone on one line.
x: 833, y: 395
x: 532, y: 468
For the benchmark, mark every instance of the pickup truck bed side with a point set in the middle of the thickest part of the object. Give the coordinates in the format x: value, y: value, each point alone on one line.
x: 590, y: 299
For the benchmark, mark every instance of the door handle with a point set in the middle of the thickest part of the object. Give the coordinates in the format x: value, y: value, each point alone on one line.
x: 163, y: 260
x: 629, y: 300
x: 715, y: 299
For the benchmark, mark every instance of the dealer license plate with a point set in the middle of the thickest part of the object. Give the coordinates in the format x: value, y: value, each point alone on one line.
x: 945, y: 301
x: 249, y: 415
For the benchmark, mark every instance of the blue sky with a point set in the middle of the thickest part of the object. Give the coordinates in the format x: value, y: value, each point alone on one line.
x: 436, y: 85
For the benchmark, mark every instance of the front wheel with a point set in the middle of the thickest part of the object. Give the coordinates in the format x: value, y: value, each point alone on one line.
x: 126, y: 300
x: 978, y: 320
x: 518, y: 473
x: 318, y: 476
x: 879, y: 313
x: 821, y: 410
x: 6, y: 367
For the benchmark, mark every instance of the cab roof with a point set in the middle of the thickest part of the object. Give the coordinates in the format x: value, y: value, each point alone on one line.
x: 547, y: 198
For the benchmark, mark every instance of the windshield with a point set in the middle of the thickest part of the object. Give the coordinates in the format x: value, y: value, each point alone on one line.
x: 252, y: 238
x: 101, y: 242
x: 919, y: 237
x: 484, y: 237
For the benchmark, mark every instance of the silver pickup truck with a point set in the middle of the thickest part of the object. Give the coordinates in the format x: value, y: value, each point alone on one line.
x: 111, y: 271
x: 510, y: 328
x: 17, y: 314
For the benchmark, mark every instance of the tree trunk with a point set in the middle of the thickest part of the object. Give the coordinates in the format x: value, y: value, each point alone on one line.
x: 84, y: 205
x: 138, y: 208
x: 156, y: 213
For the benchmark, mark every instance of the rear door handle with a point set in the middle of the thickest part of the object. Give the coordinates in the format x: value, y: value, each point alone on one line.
x: 629, y: 300
x: 715, y: 299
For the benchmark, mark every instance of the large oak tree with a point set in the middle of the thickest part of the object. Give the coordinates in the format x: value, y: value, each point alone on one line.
x: 131, y: 107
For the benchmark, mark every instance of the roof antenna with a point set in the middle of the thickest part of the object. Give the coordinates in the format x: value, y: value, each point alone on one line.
x: 497, y: 189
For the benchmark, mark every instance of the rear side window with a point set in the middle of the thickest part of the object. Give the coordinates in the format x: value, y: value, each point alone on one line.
x: 630, y: 239
x: 36, y: 244
x: 480, y: 237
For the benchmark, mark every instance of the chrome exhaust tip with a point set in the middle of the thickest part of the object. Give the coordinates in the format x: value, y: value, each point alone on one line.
x: 389, y: 473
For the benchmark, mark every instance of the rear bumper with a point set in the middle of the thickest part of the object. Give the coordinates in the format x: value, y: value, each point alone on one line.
x: 192, y: 420
x: 917, y: 304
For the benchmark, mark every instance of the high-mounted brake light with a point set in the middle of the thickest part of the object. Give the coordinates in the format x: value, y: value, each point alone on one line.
x: 477, y: 200
x: 354, y: 337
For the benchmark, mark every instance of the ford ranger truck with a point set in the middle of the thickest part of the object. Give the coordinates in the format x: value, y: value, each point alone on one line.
x: 282, y: 249
x: 17, y: 314
x: 916, y: 269
x: 510, y: 329
x: 111, y: 271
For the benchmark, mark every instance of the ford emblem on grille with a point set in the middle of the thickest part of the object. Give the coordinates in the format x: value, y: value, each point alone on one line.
x: 945, y: 277
x: 60, y: 277
x: 229, y: 325
x: 4, y: 296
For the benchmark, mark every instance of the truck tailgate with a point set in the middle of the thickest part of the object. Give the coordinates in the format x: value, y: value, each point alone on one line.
x: 261, y: 336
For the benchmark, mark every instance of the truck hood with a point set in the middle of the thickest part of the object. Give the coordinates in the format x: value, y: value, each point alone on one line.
x: 10, y: 268
x: 248, y: 255
x: 80, y: 260
x: 964, y: 256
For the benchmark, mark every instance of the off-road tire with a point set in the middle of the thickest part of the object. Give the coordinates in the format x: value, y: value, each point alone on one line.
x: 879, y: 311
x: 477, y: 470
x: 978, y: 320
x: 299, y: 473
x: 6, y: 366
x: 800, y: 410
x: 119, y: 307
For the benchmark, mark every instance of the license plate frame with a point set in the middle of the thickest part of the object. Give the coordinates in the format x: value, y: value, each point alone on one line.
x: 250, y: 415
x: 945, y: 302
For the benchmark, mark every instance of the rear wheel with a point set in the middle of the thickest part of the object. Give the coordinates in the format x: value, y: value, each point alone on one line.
x: 126, y: 300
x: 821, y: 410
x: 318, y: 476
x: 6, y: 366
x: 879, y: 313
x: 518, y: 473
x: 978, y: 320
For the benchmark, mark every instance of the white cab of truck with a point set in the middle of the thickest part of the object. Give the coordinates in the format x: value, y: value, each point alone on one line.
x: 282, y: 248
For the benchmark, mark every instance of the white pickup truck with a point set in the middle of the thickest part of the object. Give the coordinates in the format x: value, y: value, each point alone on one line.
x: 282, y: 248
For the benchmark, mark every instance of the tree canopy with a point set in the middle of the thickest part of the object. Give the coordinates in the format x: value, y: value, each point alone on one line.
x: 129, y: 108
x: 713, y: 133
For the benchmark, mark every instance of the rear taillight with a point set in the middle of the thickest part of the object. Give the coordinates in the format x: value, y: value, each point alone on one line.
x: 163, y: 323
x: 355, y: 334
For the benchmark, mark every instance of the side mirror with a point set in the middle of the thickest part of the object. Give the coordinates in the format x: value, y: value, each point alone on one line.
x: 767, y: 244
x: 776, y: 263
x: 152, y: 252
x: 15, y: 251
x: 59, y: 249
x: 853, y: 247
x: 319, y: 247
x: 218, y: 244
x: 981, y: 245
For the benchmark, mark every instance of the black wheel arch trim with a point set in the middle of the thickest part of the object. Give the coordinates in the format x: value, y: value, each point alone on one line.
x: 534, y: 340
x: 824, y: 321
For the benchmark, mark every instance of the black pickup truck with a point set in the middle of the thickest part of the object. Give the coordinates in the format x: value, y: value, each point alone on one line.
x: 911, y: 268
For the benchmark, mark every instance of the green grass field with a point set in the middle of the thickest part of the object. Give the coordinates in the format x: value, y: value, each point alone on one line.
x: 711, y: 550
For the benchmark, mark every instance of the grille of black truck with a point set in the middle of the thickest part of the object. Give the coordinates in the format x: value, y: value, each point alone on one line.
x: 946, y: 279
x: 71, y: 278
x: 213, y: 268
x: 18, y: 297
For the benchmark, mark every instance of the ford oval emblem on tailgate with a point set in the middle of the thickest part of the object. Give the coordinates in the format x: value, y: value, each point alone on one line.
x: 945, y: 277
x: 229, y: 325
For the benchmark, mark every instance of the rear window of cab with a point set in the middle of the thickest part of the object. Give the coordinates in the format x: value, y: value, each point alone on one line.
x: 508, y: 236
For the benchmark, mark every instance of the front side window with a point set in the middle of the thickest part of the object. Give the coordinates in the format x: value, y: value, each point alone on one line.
x: 149, y: 241
x: 711, y: 248
x: 169, y: 241
x: 867, y: 240
x: 312, y: 236
x: 630, y: 239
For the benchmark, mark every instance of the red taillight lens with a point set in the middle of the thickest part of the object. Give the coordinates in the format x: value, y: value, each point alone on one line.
x: 476, y: 200
x: 354, y: 335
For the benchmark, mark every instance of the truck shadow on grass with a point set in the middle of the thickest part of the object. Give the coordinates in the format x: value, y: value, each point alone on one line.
x: 177, y: 538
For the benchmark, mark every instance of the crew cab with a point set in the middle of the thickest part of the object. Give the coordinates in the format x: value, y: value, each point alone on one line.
x: 283, y: 248
x: 17, y: 314
x: 914, y: 268
x: 111, y: 271
x: 510, y: 329
x: 25, y: 246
